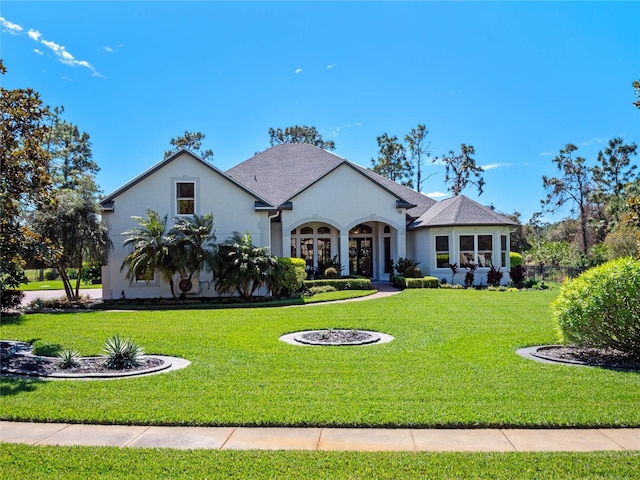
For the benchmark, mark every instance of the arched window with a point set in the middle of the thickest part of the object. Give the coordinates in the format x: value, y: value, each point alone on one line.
x: 313, y: 244
x: 361, y: 229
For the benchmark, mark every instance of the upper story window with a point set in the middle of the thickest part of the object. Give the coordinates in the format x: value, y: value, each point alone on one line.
x: 185, y: 198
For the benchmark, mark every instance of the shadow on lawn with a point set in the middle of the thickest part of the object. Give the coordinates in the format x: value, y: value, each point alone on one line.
x: 15, y: 386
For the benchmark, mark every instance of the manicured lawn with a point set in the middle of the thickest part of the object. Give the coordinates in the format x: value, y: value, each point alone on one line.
x: 452, y: 364
x: 53, y: 285
x: 21, y: 461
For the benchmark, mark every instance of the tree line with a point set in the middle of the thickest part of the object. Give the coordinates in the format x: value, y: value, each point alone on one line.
x: 50, y: 211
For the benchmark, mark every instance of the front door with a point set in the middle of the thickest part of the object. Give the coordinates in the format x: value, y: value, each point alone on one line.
x: 360, y: 256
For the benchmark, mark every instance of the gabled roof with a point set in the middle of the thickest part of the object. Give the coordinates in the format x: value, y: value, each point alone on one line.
x: 459, y: 211
x: 283, y: 171
x: 108, y: 201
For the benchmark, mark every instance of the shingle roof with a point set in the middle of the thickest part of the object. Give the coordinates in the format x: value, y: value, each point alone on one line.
x: 281, y: 172
x: 459, y: 210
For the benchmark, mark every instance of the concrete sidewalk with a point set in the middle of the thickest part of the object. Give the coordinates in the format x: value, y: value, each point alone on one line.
x: 354, y: 439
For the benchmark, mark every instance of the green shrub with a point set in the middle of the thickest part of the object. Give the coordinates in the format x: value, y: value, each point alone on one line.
x: 403, y: 263
x: 515, y: 259
x: 50, y: 275
x: 330, y: 263
x: 399, y: 281
x: 331, y: 272
x: 413, y: 272
x: 122, y: 353
x: 340, y: 283
x: 321, y: 289
x: 286, y: 276
x: 601, y: 307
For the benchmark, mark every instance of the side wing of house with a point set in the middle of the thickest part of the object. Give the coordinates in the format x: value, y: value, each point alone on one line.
x: 460, y: 231
x: 182, y: 185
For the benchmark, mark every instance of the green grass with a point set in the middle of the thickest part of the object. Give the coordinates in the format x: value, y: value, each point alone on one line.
x: 53, y: 285
x: 21, y: 461
x: 452, y: 364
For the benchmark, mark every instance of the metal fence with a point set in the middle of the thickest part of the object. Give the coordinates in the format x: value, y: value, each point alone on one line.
x: 553, y: 274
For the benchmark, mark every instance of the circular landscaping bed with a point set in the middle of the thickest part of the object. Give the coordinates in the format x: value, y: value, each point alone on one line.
x: 336, y: 337
x: 18, y: 359
x: 582, y: 356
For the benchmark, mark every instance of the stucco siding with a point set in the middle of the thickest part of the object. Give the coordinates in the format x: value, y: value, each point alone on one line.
x: 232, y: 208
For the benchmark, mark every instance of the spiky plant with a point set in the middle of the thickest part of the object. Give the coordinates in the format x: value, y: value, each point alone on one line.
x: 122, y: 353
x: 68, y: 358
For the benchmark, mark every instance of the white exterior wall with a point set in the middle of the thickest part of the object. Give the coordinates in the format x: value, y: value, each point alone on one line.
x: 423, y: 242
x: 232, y: 209
x: 344, y: 199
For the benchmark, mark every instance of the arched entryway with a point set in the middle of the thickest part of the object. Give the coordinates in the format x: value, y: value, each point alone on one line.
x: 367, y: 248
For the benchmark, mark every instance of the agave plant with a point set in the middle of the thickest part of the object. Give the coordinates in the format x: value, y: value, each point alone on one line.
x: 122, y: 353
x: 68, y: 358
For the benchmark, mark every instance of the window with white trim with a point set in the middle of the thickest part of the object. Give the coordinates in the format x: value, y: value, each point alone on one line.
x: 504, y: 253
x: 442, y: 251
x: 185, y: 198
x: 477, y: 249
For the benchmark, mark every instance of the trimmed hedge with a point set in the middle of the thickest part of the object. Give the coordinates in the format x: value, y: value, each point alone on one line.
x: 287, y: 276
x: 515, y: 259
x: 340, y: 283
x: 601, y: 307
x: 424, y: 282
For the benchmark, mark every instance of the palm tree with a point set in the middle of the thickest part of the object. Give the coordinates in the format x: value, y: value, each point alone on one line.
x: 241, y: 266
x: 151, y: 249
x: 192, y: 240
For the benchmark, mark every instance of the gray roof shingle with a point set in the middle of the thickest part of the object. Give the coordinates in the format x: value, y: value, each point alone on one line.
x: 459, y: 210
x: 281, y: 172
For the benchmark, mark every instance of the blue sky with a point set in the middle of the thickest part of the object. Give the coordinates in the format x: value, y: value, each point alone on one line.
x: 517, y: 80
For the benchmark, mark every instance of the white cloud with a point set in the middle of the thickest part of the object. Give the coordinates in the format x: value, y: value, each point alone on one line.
x: 491, y: 166
x: 59, y: 51
x: 331, y: 66
x: 298, y: 70
x: 437, y: 194
x: 547, y: 154
x: 34, y: 35
x: 108, y: 49
x: 10, y: 27
x: 335, y: 131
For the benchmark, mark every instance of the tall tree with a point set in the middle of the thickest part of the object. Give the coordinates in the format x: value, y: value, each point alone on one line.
x: 461, y: 170
x: 25, y: 183
x: 418, y: 149
x: 191, y: 142
x: 613, y: 172
x: 636, y: 87
x: 70, y: 152
x: 573, y: 186
x: 392, y: 161
x: 300, y: 134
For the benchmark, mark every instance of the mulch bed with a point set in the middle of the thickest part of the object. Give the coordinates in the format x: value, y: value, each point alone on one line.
x: 595, y: 357
x: 16, y: 357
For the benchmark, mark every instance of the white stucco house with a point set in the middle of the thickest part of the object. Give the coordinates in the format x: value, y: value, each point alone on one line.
x: 305, y: 202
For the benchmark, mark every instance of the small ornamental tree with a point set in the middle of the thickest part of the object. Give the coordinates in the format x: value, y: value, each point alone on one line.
x: 469, y: 276
x: 601, y: 307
